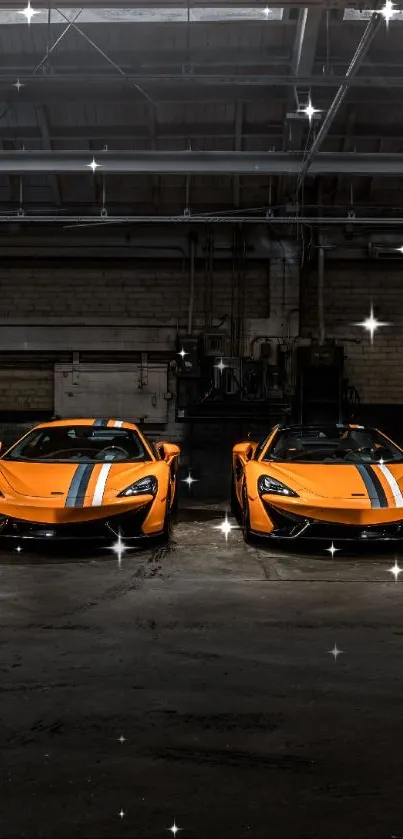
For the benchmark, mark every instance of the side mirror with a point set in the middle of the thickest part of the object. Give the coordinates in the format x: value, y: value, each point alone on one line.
x: 244, y: 449
x: 168, y: 450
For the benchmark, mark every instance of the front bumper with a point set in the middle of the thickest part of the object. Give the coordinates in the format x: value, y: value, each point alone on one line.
x: 127, y: 525
x: 288, y: 526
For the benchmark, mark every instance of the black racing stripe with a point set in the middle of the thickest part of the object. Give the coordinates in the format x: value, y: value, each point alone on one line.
x: 83, y: 485
x: 378, y: 486
x: 369, y: 485
x: 74, y: 485
x: 101, y: 423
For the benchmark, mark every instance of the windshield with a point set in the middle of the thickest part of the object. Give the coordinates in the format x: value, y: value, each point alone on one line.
x: 333, y: 445
x: 80, y: 444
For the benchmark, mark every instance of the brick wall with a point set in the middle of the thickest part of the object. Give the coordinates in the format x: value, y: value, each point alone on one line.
x: 377, y: 370
x: 141, y: 291
x: 26, y: 390
x: 125, y: 292
x: 134, y: 291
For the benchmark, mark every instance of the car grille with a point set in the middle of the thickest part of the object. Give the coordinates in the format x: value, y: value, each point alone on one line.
x: 288, y: 525
x: 129, y: 524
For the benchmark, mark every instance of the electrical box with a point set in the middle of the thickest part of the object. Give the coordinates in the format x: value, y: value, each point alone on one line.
x: 227, y: 379
x: 215, y: 344
x: 259, y: 330
x: 188, y: 356
x: 133, y: 392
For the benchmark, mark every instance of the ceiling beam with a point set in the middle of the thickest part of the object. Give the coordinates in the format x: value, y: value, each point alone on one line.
x: 196, y: 162
x: 73, y: 60
x: 182, y: 131
x: 165, y: 79
x: 95, y: 221
x: 48, y: 93
x: 363, y: 46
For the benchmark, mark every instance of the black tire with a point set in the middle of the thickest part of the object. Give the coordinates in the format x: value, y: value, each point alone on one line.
x: 246, y: 517
x: 175, y: 504
x: 235, y: 508
x: 167, y: 531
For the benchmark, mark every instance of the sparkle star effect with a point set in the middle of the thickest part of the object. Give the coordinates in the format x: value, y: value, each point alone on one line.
x: 174, y: 829
x: 189, y: 480
x: 225, y: 527
x: 221, y: 366
x: 388, y: 11
x: 93, y: 165
x: 18, y: 85
x: 371, y: 324
x: 182, y: 353
x: 119, y: 548
x: 396, y: 570
x: 309, y: 110
x: 122, y: 814
x: 122, y: 739
x: 28, y: 12
x: 266, y: 11
x: 18, y: 548
x: 335, y: 652
x: 332, y: 550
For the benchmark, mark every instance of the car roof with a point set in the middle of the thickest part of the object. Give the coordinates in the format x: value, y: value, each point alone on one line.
x: 320, y: 425
x: 95, y: 421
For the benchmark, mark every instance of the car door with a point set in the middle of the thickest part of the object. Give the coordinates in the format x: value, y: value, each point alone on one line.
x: 242, y: 453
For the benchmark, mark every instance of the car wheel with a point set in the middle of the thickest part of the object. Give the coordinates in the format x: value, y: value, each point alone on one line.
x: 235, y: 508
x: 245, y: 516
x: 175, y: 503
x: 167, y: 531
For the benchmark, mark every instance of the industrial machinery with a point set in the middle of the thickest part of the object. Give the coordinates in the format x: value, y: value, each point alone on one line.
x: 215, y: 384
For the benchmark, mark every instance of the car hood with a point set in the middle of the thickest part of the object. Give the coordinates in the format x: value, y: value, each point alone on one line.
x: 338, y: 480
x: 52, y: 480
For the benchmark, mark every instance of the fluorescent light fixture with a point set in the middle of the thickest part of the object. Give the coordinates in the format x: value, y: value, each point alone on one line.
x: 366, y: 14
x: 127, y: 15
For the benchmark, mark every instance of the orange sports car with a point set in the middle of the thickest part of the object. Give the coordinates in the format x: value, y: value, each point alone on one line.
x: 87, y: 479
x: 320, y: 482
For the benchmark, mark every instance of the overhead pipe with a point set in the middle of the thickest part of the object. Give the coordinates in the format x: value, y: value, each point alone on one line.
x: 370, y: 31
x: 75, y: 222
x: 186, y: 162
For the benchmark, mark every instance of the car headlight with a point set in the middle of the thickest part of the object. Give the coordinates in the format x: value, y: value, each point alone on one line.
x: 273, y: 486
x: 145, y: 486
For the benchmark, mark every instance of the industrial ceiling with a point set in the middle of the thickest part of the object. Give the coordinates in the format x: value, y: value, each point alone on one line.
x: 172, y: 110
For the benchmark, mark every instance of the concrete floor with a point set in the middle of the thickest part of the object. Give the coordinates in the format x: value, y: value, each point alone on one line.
x: 211, y: 660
